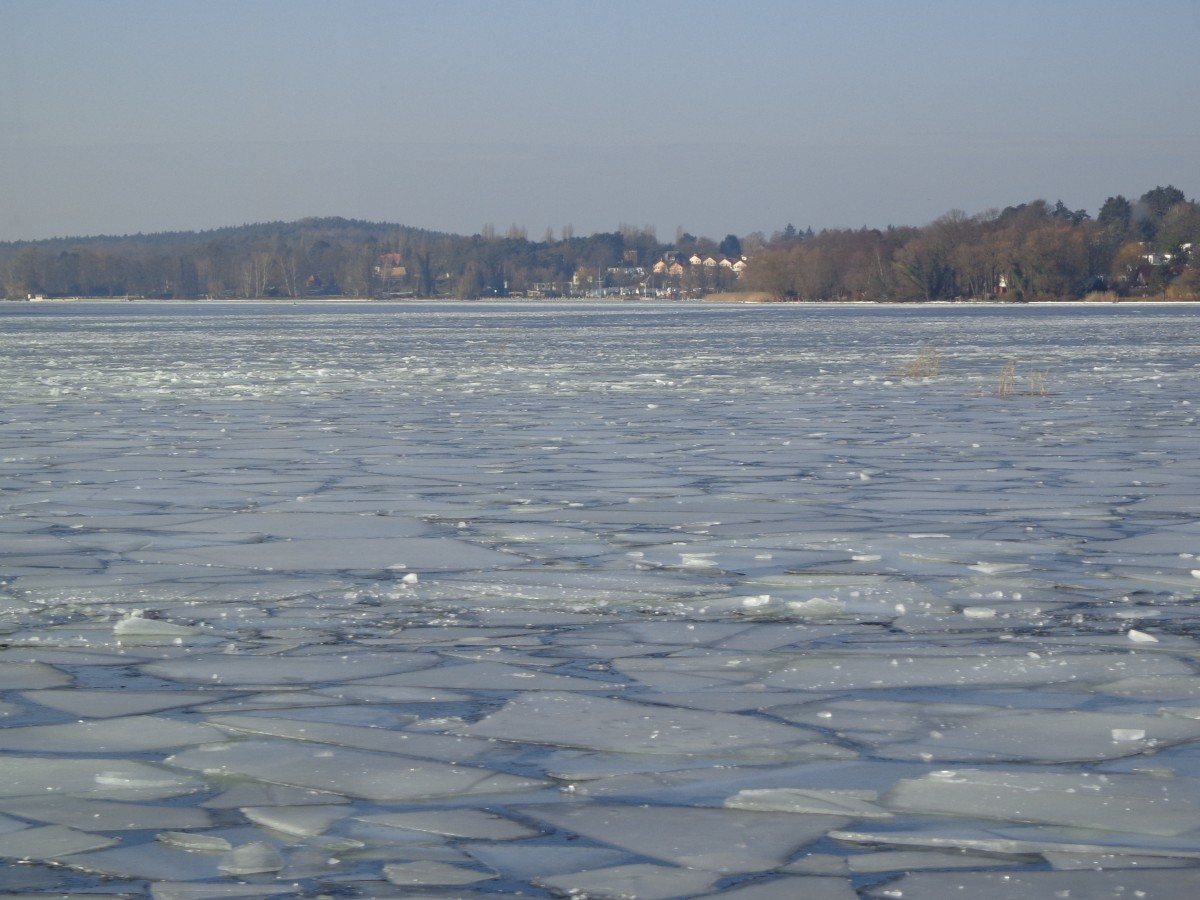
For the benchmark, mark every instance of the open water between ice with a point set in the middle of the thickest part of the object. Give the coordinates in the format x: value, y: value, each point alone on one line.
x: 608, y: 600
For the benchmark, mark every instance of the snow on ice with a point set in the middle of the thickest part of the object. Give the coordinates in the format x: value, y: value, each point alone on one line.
x: 607, y: 600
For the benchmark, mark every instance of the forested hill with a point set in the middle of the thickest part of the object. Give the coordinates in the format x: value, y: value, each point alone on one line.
x: 1029, y: 251
x: 323, y: 257
x: 238, y: 261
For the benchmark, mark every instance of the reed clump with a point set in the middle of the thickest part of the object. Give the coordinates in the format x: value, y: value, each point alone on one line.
x: 1010, y: 385
x: 928, y: 364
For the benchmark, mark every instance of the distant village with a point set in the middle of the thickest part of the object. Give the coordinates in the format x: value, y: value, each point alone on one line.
x: 673, y: 275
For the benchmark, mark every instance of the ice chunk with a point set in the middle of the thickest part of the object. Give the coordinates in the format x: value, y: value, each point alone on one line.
x: 200, y: 843
x: 336, y: 555
x: 461, y: 823
x: 354, y: 773
x: 119, y: 735
x: 912, y: 860
x: 944, y: 731
x: 491, y: 676
x: 240, y: 670
x: 23, y: 676
x: 1128, y: 734
x: 999, y: 568
x: 1134, y: 803
x: 1068, y: 861
x: 1165, y: 883
x: 645, y: 881
x: 380, y: 693
x: 844, y: 671
x: 857, y: 804
x: 289, y: 698
x: 154, y: 860
x: 389, y: 740
x: 599, y: 723
x: 793, y: 887
x: 104, y: 815
x: 250, y: 859
x: 181, y: 890
x: 50, y: 842
x: 104, y: 704
x: 430, y: 871
x: 301, y: 821
x: 308, y: 525
x: 135, y: 624
x: 527, y: 860
x: 861, y: 597
x: 122, y: 779
x: 715, y: 840
x: 254, y: 793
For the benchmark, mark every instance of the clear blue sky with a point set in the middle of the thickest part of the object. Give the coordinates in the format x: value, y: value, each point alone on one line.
x: 146, y: 115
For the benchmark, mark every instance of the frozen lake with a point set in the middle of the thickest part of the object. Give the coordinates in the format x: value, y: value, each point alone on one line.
x: 612, y: 600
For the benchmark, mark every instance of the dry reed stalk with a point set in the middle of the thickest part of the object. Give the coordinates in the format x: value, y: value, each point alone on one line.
x: 1008, y: 380
x: 927, y: 365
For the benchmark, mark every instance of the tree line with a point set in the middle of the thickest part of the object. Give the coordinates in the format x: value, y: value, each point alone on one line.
x: 319, y: 257
x: 1030, y: 251
x: 1025, y: 252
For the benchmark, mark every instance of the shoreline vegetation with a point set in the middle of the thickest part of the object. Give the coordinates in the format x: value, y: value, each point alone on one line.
x: 1034, y: 252
x: 745, y: 298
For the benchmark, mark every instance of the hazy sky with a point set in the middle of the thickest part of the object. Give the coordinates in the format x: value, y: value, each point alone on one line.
x: 147, y: 115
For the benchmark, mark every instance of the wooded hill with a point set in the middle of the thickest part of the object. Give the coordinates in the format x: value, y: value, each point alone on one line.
x: 1030, y: 251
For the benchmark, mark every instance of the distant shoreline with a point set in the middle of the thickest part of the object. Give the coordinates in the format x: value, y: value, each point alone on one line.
x: 749, y: 299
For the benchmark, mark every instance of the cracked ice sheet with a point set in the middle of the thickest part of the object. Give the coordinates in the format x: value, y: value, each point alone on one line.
x: 714, y: 840
x: 599, y: 723
x: 799, y: 456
